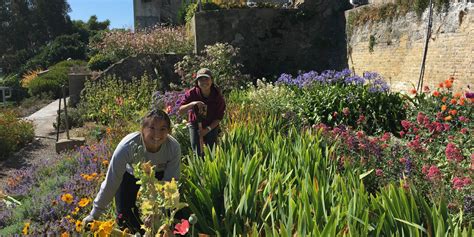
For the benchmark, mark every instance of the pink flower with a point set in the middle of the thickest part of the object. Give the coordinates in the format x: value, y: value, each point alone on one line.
x: 446, y: 126
x: 406, y: 124
x: 463, y: 130
x: 181, y: 228
x: 424, y: 169
x: 360, y: 134
x: 420, y: 117
x: 463, y: 119
x: 379, y: 172
x: 458, y: 183
x: 453, y: 153
x: 403, y: 160
x: 386, y: 137
x: 433, y: 173
x: 334, y: 114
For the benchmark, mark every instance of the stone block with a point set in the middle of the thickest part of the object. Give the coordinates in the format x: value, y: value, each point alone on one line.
x: 69, y: 144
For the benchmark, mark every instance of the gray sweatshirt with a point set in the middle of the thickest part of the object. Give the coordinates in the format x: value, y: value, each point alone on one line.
x: 131, y: 151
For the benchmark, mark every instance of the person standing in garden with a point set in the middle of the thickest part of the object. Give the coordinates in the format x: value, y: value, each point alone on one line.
x: 205, y: 105
x: 152, y: 143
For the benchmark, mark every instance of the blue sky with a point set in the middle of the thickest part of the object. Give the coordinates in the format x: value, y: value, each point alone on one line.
x: 119, y: 12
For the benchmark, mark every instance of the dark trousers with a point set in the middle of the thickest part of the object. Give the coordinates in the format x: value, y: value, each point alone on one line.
x: 128, y: 216
x: 209, y: 140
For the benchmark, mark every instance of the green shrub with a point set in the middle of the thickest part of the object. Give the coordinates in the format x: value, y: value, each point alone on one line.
x: 353, y: 106
x: 221, y: 59
x: 101, y: 62
x: 14, y: 132
x: 75, y: 118
x: 61, y: 48
x: 52, y: 81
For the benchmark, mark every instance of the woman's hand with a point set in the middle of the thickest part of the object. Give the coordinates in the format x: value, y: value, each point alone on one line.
x: 201, y: 107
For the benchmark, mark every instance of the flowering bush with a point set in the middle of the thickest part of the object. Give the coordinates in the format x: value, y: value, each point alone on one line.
x: 337, y: 98
x: 220, y: 59
x: 14, y: 132
x: 115, y: 101
x: 159, y: 40
x: 434, y: 152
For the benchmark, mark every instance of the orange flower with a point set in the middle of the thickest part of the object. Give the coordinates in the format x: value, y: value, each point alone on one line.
x: 444, y: 99
x: 457, y: 95
x: 451, y: 79
x: 84, y: 202
x: 443, y: 107
x: 453, y: 112
x: 440, y: 85
x: 108, y: 131
x: 435, y: 93
x: 448, y: 84
x: 413, y: 91
x: 67, y: 198
x: 65, y: 234
x: 454, y: 101
x: 78, y: 226
x: 105, y: 162
x: 447, y: 118
x: 461, y: 101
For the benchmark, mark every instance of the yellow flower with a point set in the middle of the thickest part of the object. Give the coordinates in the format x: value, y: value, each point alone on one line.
x: 78, y: 226
x: 76, y: 210
x: 84, y: 202
x: 67, y: 198
x: 26, y: 228
x: 105, y: 229
x: 94, y: 225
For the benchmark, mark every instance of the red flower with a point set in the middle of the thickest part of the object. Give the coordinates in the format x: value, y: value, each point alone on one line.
x: 433, y: 173
x: 453, y: 153
x: 181, y: 228
x: 458, y: 183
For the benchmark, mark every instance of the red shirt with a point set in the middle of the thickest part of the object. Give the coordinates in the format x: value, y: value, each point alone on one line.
x: 215, y: 105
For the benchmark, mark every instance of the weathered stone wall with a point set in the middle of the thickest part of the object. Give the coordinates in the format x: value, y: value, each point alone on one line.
x: 149, y: 64
x: 148, y: 13
x: 398, y: 48
x: 273, y: 41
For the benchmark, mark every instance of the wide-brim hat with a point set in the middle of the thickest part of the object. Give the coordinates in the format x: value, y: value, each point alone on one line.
x: 203, y: 72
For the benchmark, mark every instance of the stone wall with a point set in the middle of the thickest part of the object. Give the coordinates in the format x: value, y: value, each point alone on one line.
x: 148, y: 13
x: 273, y: 41
x: 397, y: 48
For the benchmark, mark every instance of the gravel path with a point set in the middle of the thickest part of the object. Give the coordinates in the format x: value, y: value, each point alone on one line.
x: 39, y: 149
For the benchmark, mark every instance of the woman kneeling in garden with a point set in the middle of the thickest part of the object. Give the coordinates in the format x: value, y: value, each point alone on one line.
x: 153, y: 143
x: 206, y: 106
